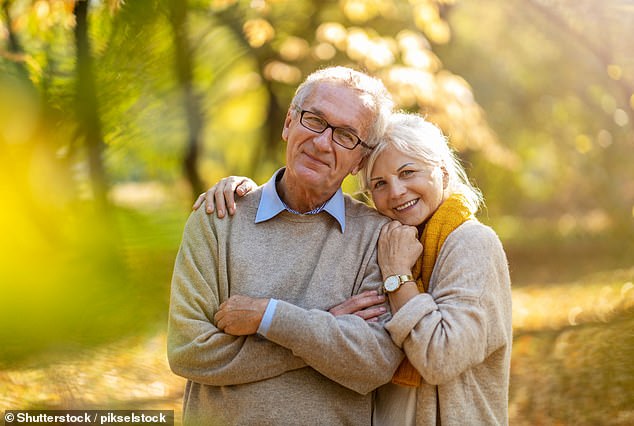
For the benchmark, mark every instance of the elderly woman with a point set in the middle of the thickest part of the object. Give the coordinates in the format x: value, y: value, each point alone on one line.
x: 451, y: 301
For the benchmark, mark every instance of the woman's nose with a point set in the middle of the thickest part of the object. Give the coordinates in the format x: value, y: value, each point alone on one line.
x: 397, y: 188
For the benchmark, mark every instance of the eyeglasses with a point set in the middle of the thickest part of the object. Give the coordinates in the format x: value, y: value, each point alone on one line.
x: 340, y: 136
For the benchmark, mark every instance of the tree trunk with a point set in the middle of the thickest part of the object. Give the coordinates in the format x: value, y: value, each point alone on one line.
x: 14, y: 45
x: 184, y: 73
x: 87, y: 106
x: 15, y: 49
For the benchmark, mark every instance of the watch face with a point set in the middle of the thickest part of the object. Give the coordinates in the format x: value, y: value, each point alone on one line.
x: 392, y: 283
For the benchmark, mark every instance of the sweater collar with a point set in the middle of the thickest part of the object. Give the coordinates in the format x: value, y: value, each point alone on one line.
x: 271, y: 204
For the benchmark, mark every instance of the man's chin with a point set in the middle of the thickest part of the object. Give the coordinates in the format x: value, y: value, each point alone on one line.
x: 315, y: 174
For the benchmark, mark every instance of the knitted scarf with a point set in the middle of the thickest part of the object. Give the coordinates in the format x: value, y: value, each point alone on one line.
x: 453, y: 212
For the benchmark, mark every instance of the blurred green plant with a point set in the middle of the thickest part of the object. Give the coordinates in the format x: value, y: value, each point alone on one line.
x: 188, y: 92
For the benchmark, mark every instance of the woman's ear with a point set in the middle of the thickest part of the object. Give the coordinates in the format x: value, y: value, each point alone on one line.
x: 287, y: 125
x: 445, y: 177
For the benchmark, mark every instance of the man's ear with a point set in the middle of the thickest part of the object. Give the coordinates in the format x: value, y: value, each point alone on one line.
x: 287, y: 124
x: 359, y: 166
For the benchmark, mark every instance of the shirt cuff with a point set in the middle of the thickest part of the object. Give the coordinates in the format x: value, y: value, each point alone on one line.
x: 267, y: 318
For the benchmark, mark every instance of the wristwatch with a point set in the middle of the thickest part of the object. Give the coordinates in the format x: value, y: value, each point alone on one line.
x: 394, y: 282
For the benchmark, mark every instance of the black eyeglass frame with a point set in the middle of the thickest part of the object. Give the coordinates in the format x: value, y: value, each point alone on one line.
x: 329, y: 126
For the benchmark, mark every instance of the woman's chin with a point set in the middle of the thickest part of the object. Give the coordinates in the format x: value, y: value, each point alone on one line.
x: 387, y: 213
x: 410, y: 222
x: 412, y: 218
x: 409, y: 218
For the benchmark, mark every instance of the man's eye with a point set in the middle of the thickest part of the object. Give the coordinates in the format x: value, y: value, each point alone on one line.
x: 313, y: 121
x: 346, y: 137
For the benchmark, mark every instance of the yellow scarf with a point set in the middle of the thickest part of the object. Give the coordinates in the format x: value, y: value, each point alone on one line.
x: 453, y: 212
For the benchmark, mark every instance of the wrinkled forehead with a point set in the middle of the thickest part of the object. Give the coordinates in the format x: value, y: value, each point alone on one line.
x: 341, y: 106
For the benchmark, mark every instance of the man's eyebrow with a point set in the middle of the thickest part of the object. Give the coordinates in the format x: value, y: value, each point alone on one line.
x: 320, y: 113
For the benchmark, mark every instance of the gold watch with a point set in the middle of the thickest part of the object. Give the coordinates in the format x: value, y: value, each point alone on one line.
x: 394, y: 282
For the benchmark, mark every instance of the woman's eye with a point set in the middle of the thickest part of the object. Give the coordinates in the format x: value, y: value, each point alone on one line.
x: 405, y: 173
x: 378, y: 184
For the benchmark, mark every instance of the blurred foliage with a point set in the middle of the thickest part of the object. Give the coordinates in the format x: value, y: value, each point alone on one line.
x: 166, y: 86
x: 537, y: 96
x: 248, y: 57
x: 557, y: 82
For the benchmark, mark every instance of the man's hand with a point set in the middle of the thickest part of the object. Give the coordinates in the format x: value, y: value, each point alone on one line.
x: 367, y: 305
x: 240, y: 315
x: 221, y: 196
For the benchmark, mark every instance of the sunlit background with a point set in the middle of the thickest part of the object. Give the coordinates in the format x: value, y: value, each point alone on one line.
x: 115, y: 114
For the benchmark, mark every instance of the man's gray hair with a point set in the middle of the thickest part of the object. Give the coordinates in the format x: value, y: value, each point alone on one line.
x: 372, y: 92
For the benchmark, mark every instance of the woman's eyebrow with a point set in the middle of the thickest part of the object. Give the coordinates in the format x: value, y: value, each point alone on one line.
x: 398, y: 170
x: 403, y: 166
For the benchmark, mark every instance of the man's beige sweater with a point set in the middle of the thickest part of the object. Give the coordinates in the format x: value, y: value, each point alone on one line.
x: 312, y: 368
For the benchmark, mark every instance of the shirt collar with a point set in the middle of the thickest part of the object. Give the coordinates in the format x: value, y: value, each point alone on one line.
x: 271, y: 204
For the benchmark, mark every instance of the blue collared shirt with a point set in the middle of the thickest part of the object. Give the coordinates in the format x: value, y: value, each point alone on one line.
x: 270, y: 206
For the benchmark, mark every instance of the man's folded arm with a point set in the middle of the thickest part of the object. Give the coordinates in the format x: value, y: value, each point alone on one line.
x: 356, y: 354
x: 197, y: 349
x: 346, y: 349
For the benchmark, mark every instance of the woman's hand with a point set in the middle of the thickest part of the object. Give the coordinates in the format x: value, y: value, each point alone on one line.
x: 220, y: 197
x: 398, y: 248
x: 367, y: 305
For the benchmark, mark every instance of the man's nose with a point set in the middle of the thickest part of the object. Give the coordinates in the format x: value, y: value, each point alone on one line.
x: 323, y: 141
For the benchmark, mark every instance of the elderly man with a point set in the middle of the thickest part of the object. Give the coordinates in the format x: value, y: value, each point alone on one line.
x: 249, y: 324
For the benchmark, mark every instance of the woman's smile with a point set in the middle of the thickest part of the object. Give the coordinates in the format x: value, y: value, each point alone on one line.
x: 406, y: 205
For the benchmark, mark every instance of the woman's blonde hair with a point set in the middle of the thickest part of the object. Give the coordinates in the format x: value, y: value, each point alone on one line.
x: 416, y: 137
